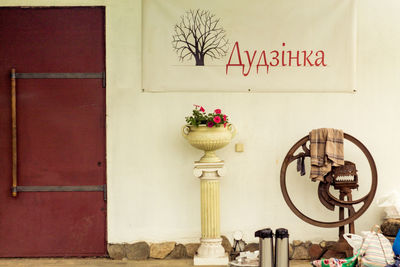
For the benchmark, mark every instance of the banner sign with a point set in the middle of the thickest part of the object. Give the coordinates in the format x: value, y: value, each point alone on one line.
x: 258, y: 45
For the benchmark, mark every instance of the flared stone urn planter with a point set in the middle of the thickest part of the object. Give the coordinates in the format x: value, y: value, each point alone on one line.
x: 209, y: 169
x: 209, y: 139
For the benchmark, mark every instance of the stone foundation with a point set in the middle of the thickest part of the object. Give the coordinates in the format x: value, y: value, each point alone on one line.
x: 143, y: 251
x: 298, y: 250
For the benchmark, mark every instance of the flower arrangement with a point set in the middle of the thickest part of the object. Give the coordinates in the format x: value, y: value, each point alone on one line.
x: 200, y: 116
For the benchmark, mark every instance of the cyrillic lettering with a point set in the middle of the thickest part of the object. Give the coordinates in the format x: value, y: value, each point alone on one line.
x: 309, y: 58
x: 296, y: 57
x: 320, y: 60
x: 283, y: 55
x: 250, y: 61
x: 236, y: 46
x: 263, y: 56
x: 306, y: 58
x: 275, y: 57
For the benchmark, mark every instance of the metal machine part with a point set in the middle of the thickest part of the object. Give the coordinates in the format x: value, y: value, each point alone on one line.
x: 333, y: 180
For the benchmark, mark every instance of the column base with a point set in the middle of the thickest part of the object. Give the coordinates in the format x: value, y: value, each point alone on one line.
x: 211, y: 252
x: 211, y: 260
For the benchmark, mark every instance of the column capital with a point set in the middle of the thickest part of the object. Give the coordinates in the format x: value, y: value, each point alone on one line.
x: 211, y: 170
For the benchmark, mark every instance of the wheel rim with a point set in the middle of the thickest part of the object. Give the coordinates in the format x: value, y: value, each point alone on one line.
x: 368, y: 197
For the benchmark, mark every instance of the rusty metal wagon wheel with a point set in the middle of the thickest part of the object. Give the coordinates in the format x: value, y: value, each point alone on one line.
x: 366, y: 199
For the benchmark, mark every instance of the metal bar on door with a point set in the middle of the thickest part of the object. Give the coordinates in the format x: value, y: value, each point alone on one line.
x: 14, y: 132
x: 97, y: 75
x: 15, y: 188
x: 63, y: 188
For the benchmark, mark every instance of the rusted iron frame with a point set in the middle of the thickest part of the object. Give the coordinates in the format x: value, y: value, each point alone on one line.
x: 367, y: 199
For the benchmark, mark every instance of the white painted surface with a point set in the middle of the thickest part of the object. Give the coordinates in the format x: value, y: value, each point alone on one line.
x: 152, y: 193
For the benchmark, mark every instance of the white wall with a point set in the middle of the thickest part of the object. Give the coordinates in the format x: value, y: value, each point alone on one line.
x: 152, y: 194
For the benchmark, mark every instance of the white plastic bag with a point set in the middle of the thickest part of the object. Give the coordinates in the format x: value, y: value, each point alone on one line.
x: 355, y: 241
x: 391, y: 204
x: 376, y: 250
x: 365, y: 233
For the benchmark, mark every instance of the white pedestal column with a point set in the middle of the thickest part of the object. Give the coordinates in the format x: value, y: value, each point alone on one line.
x: 210, y: 251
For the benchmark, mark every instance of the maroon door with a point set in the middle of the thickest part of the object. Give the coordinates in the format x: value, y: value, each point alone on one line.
x: 61, y: 132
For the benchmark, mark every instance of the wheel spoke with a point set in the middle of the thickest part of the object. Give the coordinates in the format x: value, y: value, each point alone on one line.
x: 329, y: 198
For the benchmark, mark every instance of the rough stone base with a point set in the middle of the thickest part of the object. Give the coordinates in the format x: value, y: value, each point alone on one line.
x: 191, y: 249
x: 137, y: 251
x: 165, y: 250
x: 298, y: 250
x: 161, y: 250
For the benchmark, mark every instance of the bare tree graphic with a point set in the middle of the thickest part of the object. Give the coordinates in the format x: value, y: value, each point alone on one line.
x: 199, y: 34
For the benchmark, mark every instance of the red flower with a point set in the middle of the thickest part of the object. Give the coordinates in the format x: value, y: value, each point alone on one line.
x: 210, y: 124
x: 217, y: 111
x: 217, y: 119
x: 225, y: 124
x: 202, y: 109
x: 224, y: 117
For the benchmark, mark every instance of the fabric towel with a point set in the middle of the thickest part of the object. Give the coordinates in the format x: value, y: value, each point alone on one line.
x: 301, y: 167
x: 326, y: 150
